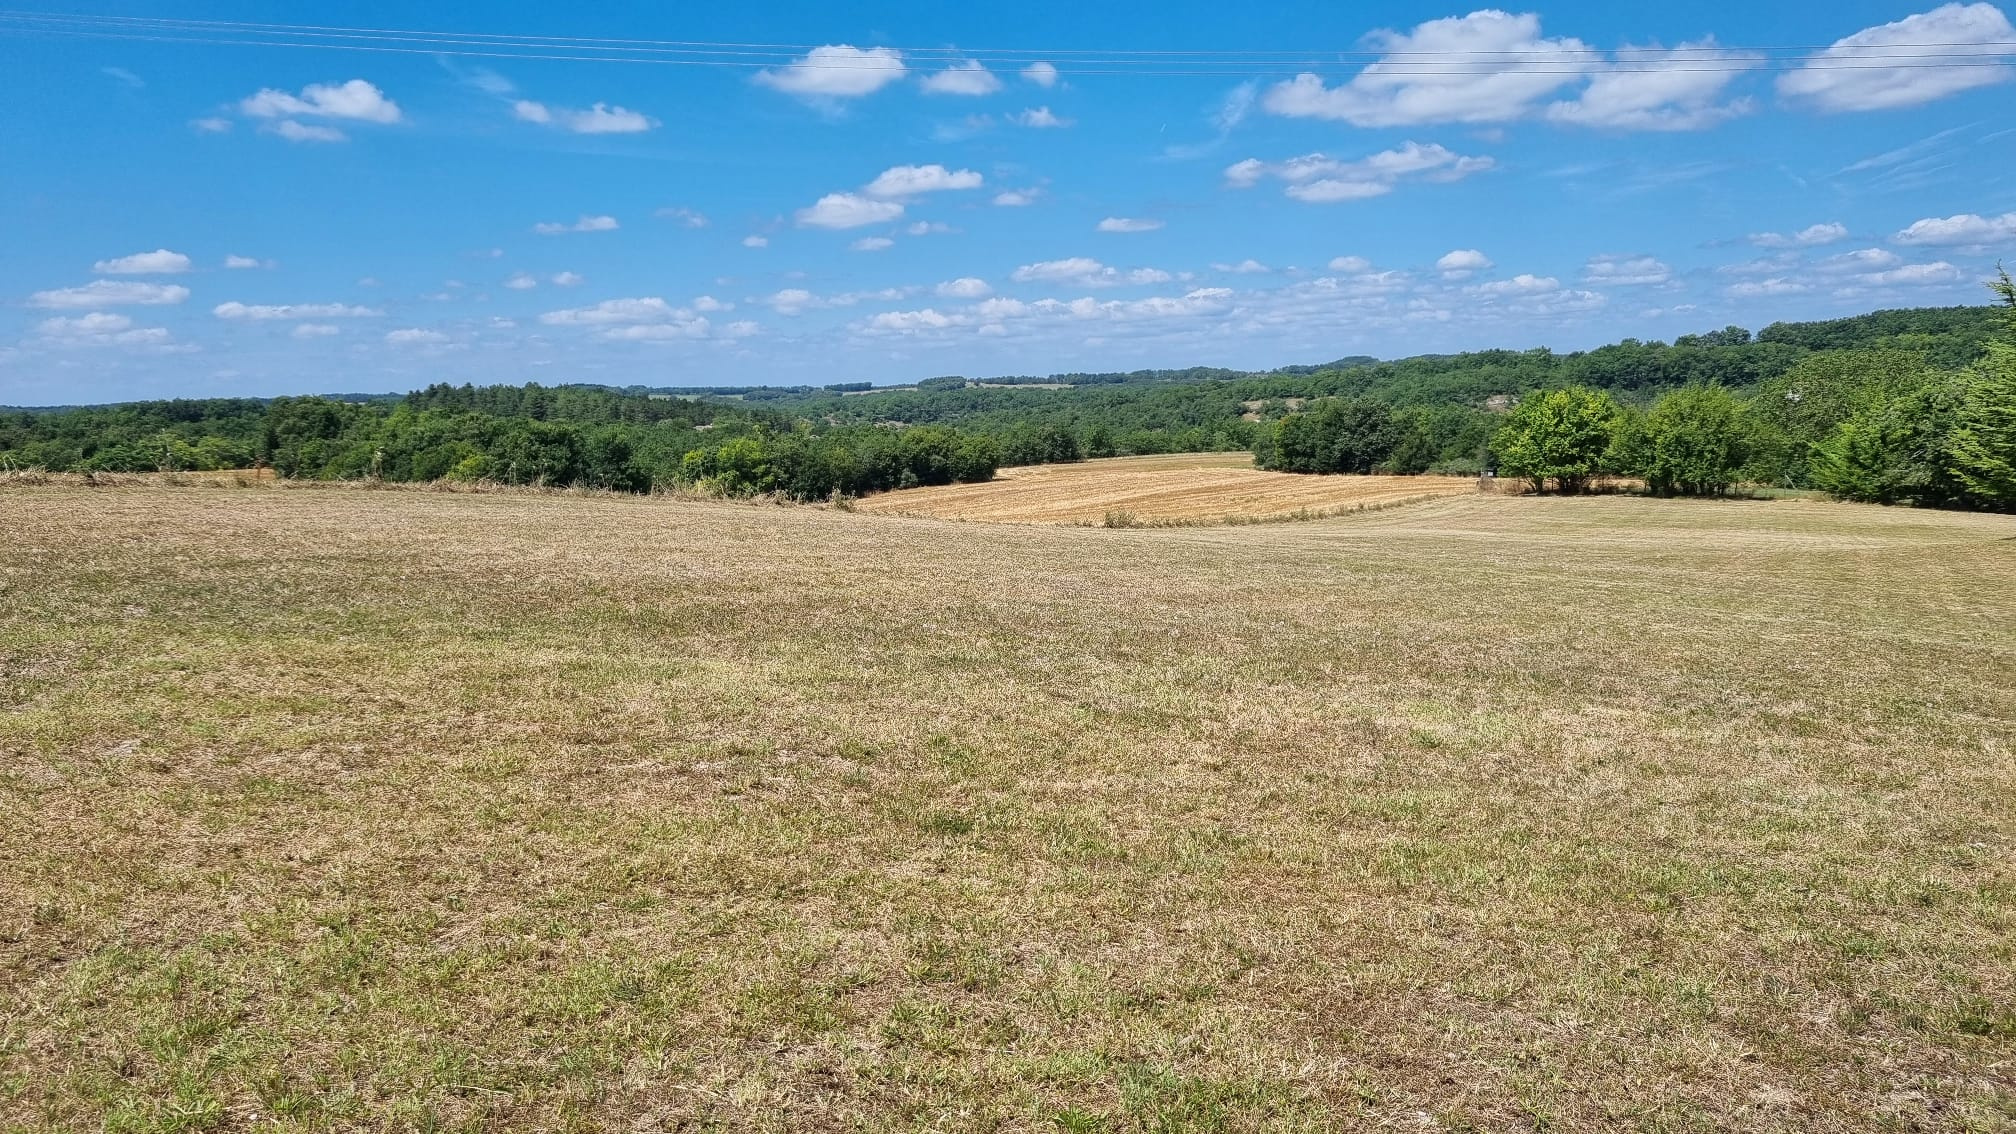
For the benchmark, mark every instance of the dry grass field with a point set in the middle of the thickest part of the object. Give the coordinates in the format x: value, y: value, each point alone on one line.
x: 1183, y: 488
x: 342, y: 810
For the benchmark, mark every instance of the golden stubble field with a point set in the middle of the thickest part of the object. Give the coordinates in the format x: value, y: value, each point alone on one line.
x: 1178, y: 489
x: 345, y: 810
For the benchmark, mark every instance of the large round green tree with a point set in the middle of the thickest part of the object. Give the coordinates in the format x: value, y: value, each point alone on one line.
x: 1558, y: 436
x: 1691, y: 444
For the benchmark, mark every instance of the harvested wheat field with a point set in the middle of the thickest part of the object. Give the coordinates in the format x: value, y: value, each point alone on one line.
x: 1179, y: 490
x: 338, y: 810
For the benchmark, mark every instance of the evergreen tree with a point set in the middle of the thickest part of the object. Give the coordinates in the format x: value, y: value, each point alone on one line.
x: 1984, y: 441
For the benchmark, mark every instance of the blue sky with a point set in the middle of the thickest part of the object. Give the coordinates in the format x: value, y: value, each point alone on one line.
x: 887, y: 192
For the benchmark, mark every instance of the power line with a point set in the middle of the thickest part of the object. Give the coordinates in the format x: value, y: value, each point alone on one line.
x: 595, y: 42
x: 1399, y: 64
x: 1452, y: 70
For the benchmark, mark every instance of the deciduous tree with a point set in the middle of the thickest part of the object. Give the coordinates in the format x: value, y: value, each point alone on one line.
x: 1559, y: 436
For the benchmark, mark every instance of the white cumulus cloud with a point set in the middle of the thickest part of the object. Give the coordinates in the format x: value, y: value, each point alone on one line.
x: 928, y: 319
x: 259, y: 311
x: 1319, y: 179
x: 598, y: 119
x: 1129, y: 224
x: 1039, y: 118
x: 1812, y: 236
x: 521, y: 281
x: 1652, y: 88
x: 1083, y: 271
x: 1762, y: 289
x: 647, y: 309
x: 1494, y: 66
x: 415, y: 336
x: 585, y: 224
x: 102, y: 329
x: 242, y: 262
x: 265, y: 311
x: 1488, y: 66
x: 1967, y: 230
x: 96, y: 323
x: 693, y: 327
x: 847, y: 210
x: 995, y: 316
x: 965, y: 287
x: 883, y: 198
x: 1462, y: 264
x: 1626, y: 271
x: 307, y: 132
x: 1915, y: 275
x: 911, y: 180
x: 1864, y: 260
x: 641, y: 319
x: 792, y: 300
x: 1523, y: 284
x: 836, y: 71
x: 160, y: 262
x: 871, y: 244
x: 1906, y: 63
x: 110, y: 293
x: 966, y: 77
x: 1042, y: 74
x: 356, y: 101
x: 1017, y: 198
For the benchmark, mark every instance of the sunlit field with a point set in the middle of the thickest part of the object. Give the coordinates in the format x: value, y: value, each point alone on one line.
x: 333, y: 809
x: 1177, y: 490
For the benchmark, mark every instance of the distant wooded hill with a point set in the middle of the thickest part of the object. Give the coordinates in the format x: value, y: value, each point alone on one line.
x: 1438, y: 412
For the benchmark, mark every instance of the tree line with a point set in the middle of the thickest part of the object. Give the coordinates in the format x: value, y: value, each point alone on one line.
x: 1895, y: 406
x: 1887, y: 425
x: 530, y: 435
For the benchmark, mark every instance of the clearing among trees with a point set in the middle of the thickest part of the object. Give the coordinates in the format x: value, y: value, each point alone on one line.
x: 1178, y: 490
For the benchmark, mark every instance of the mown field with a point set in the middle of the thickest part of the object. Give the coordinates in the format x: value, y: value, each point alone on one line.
x: 1179, y: 489
x: 332, y: 809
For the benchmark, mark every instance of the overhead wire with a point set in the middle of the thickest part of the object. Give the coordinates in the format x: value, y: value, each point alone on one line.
x: 1401, y: 63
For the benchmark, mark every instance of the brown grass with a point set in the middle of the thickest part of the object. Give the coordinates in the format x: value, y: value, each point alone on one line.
x: 416, y: 811
x: 1151, y: 491
x: 221, y: 478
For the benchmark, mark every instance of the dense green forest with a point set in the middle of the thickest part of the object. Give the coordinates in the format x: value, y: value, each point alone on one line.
x: 1907, y: 406
x: 1898, y: 407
